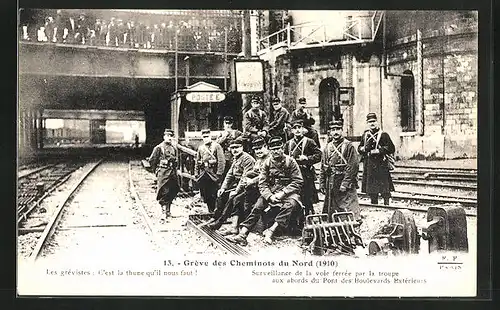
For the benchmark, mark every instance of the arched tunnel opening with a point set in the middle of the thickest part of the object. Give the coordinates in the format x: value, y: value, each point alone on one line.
x: 151, y: 96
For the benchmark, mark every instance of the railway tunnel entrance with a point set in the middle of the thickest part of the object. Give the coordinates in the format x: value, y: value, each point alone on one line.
x: 126, y: 96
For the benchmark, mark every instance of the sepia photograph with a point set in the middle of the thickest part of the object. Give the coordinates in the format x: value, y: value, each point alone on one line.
x: 300, y: 153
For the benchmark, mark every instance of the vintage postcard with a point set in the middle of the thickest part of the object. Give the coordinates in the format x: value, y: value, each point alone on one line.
x: 247, y: 153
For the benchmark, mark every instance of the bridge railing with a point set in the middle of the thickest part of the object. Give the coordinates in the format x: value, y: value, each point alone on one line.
x: 220, y: 41
x: 353, y: 29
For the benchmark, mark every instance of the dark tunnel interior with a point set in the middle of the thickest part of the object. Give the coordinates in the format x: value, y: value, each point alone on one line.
x: 105, y: 93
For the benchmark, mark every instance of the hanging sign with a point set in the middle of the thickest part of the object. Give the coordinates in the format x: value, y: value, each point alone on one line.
x: 205, y: 97
x: 249, y: 75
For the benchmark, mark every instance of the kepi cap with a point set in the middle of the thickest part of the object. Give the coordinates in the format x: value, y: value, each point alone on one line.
x: 205, y: 132
x: 255, y: 99
x: 336, y: 124
x: 371, y: 116
x: 275, y: 143
x: 236, y: 142
x: 302, y: 100
x: 168, y: 131
x: 298, y: 122
x: 228, y: 119
x: 257, y: 143
x: 276, y: 99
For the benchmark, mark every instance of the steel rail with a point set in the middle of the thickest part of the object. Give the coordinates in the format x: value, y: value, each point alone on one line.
x: 215, y: 238
x: 22, y: 215
x: 392, y: 207
x: 233, y: 248
x: 22, y: 205
x: 140, y: 205
x: 51, y: 225
x: 448, y: 185
x: 436, y: 168
x: 25, y: 175
x: 429, y: 198
x: 438, y: 195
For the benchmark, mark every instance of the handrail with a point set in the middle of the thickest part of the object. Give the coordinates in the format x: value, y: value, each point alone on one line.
x: 297, y: 39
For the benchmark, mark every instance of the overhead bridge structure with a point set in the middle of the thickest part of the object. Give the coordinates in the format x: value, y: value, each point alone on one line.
x: 347, y: 30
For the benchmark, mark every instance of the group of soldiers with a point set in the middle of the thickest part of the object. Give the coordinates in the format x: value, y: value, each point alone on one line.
x: 267, y: 171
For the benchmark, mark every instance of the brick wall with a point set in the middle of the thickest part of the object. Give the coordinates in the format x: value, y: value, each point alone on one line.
x: 360, y: 67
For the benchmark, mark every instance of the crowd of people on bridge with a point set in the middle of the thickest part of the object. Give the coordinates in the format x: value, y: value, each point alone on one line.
x: 266, y: 173
x: 184, y: 34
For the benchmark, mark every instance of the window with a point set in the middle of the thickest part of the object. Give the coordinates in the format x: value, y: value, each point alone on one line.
x: 407, y: 104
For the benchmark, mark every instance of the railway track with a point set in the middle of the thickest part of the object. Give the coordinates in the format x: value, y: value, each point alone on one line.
x: 26, y: 172
x: 37, y: 184
x: 395, y: 207
x: 429, y: 198
x: 214, y: 237
x: 427, y: 168
x: 51, y: 225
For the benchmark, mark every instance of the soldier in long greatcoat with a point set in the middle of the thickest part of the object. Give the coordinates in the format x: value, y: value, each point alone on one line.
x: 226, y: 138
x: 339, y: 174
x: 303, y: 114
x: 306, y: 153
x: 375, y: 145
x: 163, y: 162
x: 280, y: 182
x: 210, y: 162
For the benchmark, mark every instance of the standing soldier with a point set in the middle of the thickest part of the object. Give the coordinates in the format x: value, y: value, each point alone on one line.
x: 231, y: 187
x: 375, y: 145
x: 210, y: 163
x: 279, y: 120
x: 256, y: 122
x: 306, y: 153
x: 310, y: 132
x: 280, y: 182
x: 244, y: 202
x: 226, y: 138
x: 303, y: 114
x: 163, y: 162
x: 339, y: 174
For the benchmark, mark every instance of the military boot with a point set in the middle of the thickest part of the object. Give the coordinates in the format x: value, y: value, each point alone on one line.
x: 167, y: 210
x: 240, y: 238
x: 206, y: 223
x: 163, y: 217
x: 268, y: 235
x: 233, y: 229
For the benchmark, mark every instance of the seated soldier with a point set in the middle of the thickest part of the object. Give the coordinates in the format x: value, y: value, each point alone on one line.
x: 246, y: 199
x: 280, y: 182
x: 242, y: 162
